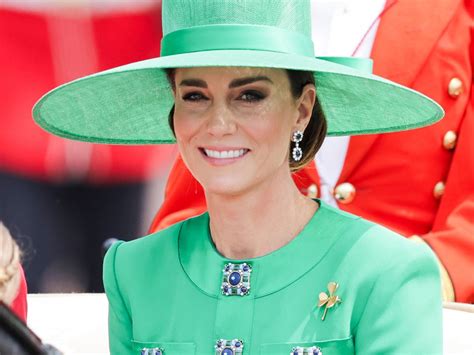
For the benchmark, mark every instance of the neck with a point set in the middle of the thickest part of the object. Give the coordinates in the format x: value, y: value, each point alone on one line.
x: 259, y: 221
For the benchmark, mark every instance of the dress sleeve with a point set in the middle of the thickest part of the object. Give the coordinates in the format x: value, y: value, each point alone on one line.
x: 403, y: 314
x: 120, y: 323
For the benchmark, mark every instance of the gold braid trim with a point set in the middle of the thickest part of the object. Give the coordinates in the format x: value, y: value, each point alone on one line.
x: 447, y: 288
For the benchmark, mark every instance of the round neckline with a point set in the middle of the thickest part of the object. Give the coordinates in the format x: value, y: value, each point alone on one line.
x: 271, y: 272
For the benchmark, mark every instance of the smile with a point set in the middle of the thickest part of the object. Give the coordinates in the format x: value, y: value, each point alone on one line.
x: 225, y: 154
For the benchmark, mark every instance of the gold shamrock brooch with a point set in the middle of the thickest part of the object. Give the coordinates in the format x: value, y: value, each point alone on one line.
x: 330, y: 300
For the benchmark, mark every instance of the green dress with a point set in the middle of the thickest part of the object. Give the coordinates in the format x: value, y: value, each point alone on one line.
x: 173, y: 293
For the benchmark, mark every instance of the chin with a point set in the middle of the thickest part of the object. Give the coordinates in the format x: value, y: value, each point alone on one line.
x: 230, y: 185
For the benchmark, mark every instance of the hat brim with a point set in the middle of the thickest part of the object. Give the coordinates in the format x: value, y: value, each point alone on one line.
x: 130, y: 104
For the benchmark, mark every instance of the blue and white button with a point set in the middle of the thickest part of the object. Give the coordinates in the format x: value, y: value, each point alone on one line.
x: 152, y: 351
x: 236, y: 279
x: 300, y: 350
x: 229, y: 347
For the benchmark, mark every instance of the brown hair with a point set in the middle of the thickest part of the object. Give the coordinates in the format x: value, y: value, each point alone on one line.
x: 314, y: 133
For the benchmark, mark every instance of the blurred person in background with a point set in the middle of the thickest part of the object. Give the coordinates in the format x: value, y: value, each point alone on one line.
x: 419, y: 183
x: 15, y: 337
x: 12, y: 279
x: 61, y: 198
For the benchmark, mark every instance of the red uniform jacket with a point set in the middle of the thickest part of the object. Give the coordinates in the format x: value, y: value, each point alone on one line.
x: 394, y: 175
x: 40, y: 50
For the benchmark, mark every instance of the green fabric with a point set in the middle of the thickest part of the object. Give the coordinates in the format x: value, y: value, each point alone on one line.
x: 216, y: 37
x: 365, y: 65
x: 130, y: 104
x: 288, y: 15
x: 164, y: 291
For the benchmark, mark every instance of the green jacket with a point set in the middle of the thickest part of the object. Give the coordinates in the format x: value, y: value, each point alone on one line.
x: 165, y: 291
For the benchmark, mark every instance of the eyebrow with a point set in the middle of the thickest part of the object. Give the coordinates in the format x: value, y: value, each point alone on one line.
x: 193, y: 82
x: 234, y: 83
x: 249, y: 80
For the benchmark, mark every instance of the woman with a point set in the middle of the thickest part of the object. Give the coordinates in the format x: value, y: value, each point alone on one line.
x: 260, y: 272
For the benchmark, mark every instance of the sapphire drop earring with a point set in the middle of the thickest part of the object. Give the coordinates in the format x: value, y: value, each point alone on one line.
x: 297, y: 152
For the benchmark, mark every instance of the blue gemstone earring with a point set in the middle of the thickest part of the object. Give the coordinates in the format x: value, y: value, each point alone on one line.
x: 297, y: 152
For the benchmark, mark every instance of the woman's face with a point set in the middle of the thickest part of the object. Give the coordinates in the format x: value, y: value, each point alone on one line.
x: 234, y: 125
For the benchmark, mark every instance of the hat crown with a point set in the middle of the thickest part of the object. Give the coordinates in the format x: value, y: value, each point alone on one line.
x: 291, y: 15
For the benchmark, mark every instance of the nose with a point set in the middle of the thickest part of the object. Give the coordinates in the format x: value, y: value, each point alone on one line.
x: 221, y: 121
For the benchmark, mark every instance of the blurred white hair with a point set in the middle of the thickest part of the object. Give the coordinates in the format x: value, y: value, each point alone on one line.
x: 9, y: 266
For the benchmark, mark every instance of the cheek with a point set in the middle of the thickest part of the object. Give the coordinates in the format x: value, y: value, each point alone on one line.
x: 185, y: 130
x: 274, y: 128
x: 185, y: 126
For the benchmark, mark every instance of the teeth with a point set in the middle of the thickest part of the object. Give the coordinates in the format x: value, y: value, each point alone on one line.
x: 226, y: 154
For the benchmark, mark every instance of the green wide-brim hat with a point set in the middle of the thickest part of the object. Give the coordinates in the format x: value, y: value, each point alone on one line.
x: 131, y: 104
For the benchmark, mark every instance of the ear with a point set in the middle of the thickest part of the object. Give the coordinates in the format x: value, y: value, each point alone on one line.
x: 305, y: 106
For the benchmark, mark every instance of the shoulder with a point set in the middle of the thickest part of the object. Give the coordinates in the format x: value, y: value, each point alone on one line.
x: 127, y: 259
x: 124, y: 260
x: 366, y: 242
x: 388, y: 249
x: 375, y: 266
x: 137, y: 247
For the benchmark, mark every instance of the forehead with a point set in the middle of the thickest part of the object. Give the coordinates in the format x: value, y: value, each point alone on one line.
x: 229, y: 73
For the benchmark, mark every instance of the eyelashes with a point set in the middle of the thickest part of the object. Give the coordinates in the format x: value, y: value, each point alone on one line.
x: 252, y: 96
x: 194, y: 97
x: 247, y: 96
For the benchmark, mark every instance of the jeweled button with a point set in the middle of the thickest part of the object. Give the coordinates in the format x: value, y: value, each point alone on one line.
x: 234, y: 278
x: 151, y: 351
x: 312, y: 350
x: 229, y: 347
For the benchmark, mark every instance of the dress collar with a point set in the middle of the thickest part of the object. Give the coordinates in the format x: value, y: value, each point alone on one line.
x: 272, y: 272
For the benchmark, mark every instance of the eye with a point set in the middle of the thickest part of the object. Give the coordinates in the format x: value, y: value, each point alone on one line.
x: 194, y: 97
x: 251, y: 96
